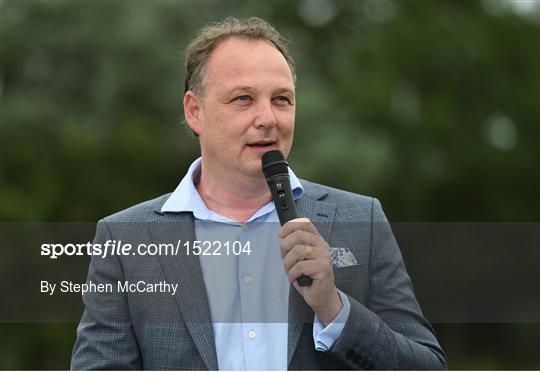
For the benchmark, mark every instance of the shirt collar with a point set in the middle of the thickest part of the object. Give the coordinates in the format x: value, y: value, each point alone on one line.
x: 186, y: 198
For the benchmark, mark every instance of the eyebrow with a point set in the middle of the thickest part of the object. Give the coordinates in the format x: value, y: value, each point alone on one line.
x: 243, y: 88
x: 249, y: 89
x: 284, y: 90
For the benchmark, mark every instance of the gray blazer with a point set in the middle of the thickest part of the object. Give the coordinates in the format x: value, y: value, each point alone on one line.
x: 385, y: 328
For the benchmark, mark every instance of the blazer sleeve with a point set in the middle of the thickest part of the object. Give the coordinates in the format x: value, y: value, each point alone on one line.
x: 389, y: 331
x: 105, y: 337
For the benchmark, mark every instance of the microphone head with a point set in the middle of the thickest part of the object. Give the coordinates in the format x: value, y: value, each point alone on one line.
x: 273, y: 163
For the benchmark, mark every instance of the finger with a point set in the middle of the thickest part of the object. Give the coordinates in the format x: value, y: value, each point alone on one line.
x: 308, y: 268
x: 298, y: 237
x: 294, y: 255
x: 297, y: 224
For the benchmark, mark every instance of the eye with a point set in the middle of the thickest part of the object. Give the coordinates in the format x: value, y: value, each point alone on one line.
x: 244, y: 98
x: 283, y: 100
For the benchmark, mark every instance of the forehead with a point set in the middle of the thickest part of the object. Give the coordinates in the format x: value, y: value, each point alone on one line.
x: 243, y: 61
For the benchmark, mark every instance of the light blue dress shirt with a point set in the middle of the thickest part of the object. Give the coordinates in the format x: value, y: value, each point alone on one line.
x: 248, y: 294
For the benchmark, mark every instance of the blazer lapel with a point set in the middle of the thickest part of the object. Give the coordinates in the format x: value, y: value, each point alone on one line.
x: 321, y: 214
x: 186, y: 270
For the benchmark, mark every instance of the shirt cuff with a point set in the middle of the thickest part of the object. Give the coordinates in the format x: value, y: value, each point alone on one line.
x: 325, y: 337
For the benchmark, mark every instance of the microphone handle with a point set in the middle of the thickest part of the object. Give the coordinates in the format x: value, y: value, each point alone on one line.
x: 280, y: 187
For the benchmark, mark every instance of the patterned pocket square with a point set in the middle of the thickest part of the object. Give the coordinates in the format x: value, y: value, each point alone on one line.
x: 342, y: 257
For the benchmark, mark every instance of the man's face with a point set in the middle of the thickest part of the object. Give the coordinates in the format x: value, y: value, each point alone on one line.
x: 247, y: 107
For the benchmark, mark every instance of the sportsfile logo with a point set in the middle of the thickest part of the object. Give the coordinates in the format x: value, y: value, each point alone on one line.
x: 110, y: 247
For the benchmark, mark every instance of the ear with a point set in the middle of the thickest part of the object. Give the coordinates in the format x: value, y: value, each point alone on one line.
x: 192, y: 111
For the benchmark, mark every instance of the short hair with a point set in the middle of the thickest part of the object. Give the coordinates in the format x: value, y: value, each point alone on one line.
x: 199, y: 50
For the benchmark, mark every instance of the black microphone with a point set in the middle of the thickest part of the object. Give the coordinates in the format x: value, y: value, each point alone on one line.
x: 275, y: 169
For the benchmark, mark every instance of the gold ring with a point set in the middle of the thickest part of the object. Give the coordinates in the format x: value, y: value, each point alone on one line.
x: 307, y: 253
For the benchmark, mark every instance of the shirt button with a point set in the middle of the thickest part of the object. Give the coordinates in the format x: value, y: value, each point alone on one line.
x: 248, y: 279
x: 245, y: 227
x: 252, y: 334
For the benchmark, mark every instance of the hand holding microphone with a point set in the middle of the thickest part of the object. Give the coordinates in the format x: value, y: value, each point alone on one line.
x: 305, y: 253
x: 276, y: 171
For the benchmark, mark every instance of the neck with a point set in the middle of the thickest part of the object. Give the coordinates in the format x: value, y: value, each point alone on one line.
x: 234, y: 196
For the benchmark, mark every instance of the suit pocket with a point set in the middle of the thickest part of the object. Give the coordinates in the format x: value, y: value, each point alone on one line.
x: 346, y: 273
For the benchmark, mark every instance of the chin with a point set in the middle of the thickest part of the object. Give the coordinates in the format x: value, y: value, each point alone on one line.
x: 253, y: 169
x: 256, y: 172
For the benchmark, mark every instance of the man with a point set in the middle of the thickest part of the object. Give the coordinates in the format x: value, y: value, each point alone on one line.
x: 240, y: 311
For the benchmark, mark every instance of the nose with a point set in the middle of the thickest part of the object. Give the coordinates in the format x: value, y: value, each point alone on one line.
x: 265, y: 116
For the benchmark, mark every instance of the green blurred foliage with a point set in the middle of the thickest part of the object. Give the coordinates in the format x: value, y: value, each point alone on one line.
x: 412, y: 91
x: 431, y: 106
